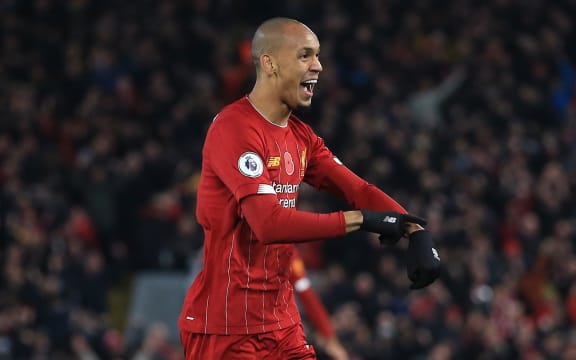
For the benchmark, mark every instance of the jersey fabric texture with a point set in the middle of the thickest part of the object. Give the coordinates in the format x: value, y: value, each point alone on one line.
x: 244, y: 285
x: 288, y: 343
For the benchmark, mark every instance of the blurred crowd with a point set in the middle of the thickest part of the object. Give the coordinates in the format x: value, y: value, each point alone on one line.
x: 464, y: 111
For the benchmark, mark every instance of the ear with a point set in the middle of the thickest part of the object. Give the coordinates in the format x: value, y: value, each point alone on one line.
x: 267, y: 63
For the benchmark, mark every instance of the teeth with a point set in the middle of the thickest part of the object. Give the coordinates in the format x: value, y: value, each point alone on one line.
x: 310, y: 82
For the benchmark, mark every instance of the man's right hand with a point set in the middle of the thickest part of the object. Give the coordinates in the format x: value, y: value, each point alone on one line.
x: 391, y: 225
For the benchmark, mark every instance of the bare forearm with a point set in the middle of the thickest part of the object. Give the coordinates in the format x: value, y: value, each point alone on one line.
x: 353, y: 220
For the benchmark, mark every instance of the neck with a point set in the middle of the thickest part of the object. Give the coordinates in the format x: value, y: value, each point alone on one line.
x: 272, y: 109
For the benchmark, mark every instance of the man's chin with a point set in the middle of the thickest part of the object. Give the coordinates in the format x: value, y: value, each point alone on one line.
x: 304, y: 108
x: 305, y: 104
x: 299, y: 104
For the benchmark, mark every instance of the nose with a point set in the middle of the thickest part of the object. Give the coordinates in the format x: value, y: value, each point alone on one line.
x: 316, y: 65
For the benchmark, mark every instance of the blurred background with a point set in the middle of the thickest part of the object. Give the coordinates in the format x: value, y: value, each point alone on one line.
x: 464, y: 111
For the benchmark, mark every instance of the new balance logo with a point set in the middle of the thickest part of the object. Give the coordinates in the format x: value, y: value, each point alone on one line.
x: 273, y: 162
x: 390, y: 219
x: 435, y: 253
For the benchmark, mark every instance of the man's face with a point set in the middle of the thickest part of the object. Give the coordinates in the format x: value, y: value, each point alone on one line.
x: 298, y: 67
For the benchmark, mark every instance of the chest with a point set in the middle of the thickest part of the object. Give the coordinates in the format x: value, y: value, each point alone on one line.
x: 286, y: 159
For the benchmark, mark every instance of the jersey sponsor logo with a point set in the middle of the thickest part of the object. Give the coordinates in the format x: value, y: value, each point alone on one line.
x: 285, y: 188
x: 288, y: 200
x: 250, y: 164
x: 288, y: 163
x: 273, y: 162
x: 287, y: 203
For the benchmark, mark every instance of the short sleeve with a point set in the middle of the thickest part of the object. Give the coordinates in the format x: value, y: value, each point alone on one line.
x: 235, y: 151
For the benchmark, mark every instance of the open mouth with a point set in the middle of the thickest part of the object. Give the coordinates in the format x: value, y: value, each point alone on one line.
x: 308, y: 86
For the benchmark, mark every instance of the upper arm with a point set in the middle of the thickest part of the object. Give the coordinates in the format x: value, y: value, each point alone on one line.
x: 320, y: 161
x: 235, y: 152
x: 326, y: 172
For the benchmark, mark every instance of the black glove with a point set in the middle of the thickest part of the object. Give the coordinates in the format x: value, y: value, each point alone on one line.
x: 423, y: 262
x: 391, y: 225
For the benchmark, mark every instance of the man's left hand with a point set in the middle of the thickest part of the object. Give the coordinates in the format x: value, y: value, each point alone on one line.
x: 391, y: 225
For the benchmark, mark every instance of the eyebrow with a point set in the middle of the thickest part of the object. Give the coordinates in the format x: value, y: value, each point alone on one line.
x: 309, y: 49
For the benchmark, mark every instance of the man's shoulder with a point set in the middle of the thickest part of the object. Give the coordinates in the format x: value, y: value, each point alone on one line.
x: 233, y: 121
x: 300, y: 126
x: 238, y: 111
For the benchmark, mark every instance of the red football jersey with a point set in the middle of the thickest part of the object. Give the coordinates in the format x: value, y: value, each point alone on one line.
x: 244, y: 285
